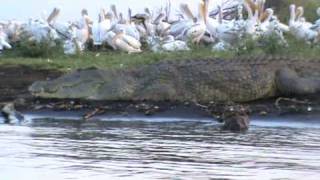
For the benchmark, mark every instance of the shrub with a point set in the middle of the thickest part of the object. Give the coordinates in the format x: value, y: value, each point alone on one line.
x: 45, y: 48
x: 272, y: 44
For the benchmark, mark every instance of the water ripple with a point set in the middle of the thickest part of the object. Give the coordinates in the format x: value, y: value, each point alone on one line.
x: 147, y: 150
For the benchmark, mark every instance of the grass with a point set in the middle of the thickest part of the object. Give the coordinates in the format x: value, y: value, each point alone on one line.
x: 108, y: 59
x: 45, y: 56
x: 104, y: 59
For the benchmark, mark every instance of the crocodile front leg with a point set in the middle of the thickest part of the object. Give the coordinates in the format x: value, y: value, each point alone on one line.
x: 290, y: 83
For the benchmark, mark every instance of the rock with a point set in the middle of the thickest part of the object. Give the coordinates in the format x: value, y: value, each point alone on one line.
x: 11, y: 115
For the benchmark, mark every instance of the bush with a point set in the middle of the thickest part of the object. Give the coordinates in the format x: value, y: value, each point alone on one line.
x: 45, y: 48
x: 272, y: 44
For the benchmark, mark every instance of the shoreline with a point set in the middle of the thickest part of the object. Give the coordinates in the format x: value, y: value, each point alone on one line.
x: 15, y: 80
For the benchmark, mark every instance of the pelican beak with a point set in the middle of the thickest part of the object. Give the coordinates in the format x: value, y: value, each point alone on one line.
x: 252, y: 5
x: 186, y: 10
x: 205, y: 7
x: 264, y: 16
x: 55, y: 12
x: 114, y: 10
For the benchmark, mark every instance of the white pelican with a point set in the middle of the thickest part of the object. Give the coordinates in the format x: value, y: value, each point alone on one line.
x: 300, y: 29
x: 3, y: 40
x: 71, y: 47
x: 39, y: 31
x: 211, y: 23
x: 316, y: 25
x: 265, y: 21
x: 62, y: 29
x: 198, y: 29
x: 100, y: 28
x: 253, y: 21
x: 301, y: 18
x: 81, y: 32
x: 229, y: 31
x: 177, y: 28
x: 170, y: 44
x: 162, y: 28
x: 125, y: 43
x: 129, y: 27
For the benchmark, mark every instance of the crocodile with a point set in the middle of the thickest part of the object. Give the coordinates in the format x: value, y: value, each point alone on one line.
x: 238, y: 79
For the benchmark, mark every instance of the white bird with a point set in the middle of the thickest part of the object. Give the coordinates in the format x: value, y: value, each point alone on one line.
x: 81, y: 32
x: 229, y: 32
x: 316, y: 25
x: 3, y: 40
x: 301, y: 18
x: 129, y: 27
x: 63, y: 29
x: 198, y: 29
x: 266, y: 21
x: 170, y: 44
x: 211, y: 24
x: 178, y: 28
x: 162, y: 28
x: 126, y: 43
x: 100, y: 29
x: 300, y: 29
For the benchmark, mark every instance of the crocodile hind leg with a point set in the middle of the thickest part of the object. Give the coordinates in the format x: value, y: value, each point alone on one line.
x: 290, y: 83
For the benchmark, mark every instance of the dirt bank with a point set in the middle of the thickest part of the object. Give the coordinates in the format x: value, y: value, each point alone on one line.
x: 14, y: 81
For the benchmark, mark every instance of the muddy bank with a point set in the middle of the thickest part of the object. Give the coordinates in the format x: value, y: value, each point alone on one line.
x: 14, y: 83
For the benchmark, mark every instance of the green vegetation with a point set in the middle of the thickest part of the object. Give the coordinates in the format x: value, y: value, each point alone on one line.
x: 114, y: 59
x: 50, y: 56
x: 104, y: 59
x: 33, y: 49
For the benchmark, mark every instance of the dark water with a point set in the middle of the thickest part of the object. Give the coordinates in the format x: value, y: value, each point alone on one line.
x: 163, y: 149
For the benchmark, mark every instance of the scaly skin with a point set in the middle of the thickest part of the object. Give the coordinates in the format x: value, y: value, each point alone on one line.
x: 237, y: 80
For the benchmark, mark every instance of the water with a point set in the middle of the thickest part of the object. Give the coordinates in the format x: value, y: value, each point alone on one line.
x: 100, y: 150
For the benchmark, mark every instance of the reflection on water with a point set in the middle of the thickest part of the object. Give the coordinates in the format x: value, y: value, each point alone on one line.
x: 54, y: 150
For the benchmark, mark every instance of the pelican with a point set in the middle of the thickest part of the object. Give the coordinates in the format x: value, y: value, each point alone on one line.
x: 265, y: 21
x: 301, y: 18
x: 39, y: 31
x: 170, y: 44
x: 13, y: 30
x: 100, y: 28
x: 198, y: 29
x: 62, y: 29
x: 316, y: 25
x: 3, y: 40
x: 300, y: 29
x: 177, y: 28
x: 71, y: 47
x: 211, y: 24
x: 229, y: 31
x: 129, y: 27
x: 125, y: 43
x: 81, y: 32
x: 162, y: 28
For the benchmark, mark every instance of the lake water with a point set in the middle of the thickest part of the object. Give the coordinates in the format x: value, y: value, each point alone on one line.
x: 159, y: 149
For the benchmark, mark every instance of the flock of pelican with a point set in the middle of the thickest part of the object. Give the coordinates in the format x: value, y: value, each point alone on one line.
x: 221, y: 28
